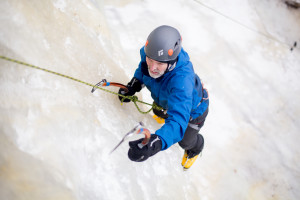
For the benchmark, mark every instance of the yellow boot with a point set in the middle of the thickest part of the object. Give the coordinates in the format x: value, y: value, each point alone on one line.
x: 188, y: 162
x: 159, y: 119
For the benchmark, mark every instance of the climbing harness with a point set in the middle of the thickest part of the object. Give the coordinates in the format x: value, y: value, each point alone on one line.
x: 99, y: 85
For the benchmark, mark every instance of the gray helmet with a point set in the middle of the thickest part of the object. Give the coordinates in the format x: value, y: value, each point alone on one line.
x: 163, y: 44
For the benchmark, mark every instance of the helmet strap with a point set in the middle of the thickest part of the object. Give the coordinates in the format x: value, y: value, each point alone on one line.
x: 171, y: 65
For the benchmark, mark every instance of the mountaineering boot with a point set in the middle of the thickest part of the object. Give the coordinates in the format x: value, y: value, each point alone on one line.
x: 191, y: 155
x: 158, y: 119
x: 188, y: 160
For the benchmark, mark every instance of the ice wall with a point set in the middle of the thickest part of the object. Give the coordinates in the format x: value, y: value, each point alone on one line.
x: 56, y: 136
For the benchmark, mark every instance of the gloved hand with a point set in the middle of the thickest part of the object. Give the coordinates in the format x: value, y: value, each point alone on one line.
x: 161, y: 113
x: 133, y: 86
x: 137, y: 154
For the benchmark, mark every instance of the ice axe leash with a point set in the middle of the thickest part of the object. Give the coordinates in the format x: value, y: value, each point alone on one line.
x: 99, y: 85
x: 138, y: 129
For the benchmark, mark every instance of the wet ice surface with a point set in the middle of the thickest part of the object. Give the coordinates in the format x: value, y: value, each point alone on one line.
x: 56, y: 136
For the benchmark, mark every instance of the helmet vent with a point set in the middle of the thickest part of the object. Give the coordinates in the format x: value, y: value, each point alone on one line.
x: 176, y: 45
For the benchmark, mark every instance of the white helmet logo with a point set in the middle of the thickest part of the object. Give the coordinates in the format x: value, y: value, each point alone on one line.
x: 160, y: 52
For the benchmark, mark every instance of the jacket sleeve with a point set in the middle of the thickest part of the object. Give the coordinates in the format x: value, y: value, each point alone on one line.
x: 179, y: 108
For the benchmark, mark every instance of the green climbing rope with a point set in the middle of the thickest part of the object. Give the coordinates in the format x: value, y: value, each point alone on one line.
x: 134, y: 98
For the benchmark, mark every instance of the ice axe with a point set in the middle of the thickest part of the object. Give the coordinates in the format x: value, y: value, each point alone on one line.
x: 137, y: 129
x: 105, y: 83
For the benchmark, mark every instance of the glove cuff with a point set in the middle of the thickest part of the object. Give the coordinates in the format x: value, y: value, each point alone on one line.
x: 134, y: 85
x: 155, y: 144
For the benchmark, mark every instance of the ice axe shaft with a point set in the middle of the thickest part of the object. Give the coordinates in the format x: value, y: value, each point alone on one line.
x: 147, y: 134
x: 137, y: 129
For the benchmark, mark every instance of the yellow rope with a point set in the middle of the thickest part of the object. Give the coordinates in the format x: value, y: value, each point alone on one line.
x: 134, y: 99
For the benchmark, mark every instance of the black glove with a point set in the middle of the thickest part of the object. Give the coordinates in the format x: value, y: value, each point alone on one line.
x: 137, y: 154
x: 161, y: 113
x: 133, y: 86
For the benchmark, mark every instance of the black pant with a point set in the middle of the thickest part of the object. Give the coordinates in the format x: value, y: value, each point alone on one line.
x: 192, y: 140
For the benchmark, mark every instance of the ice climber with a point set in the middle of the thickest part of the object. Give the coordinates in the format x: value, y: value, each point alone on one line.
x: 166, y: 70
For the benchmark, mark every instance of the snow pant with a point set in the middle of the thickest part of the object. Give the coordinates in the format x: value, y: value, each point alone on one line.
x: 192, y: 140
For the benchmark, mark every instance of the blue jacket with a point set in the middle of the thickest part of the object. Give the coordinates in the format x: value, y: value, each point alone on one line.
x: 179, y: 91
